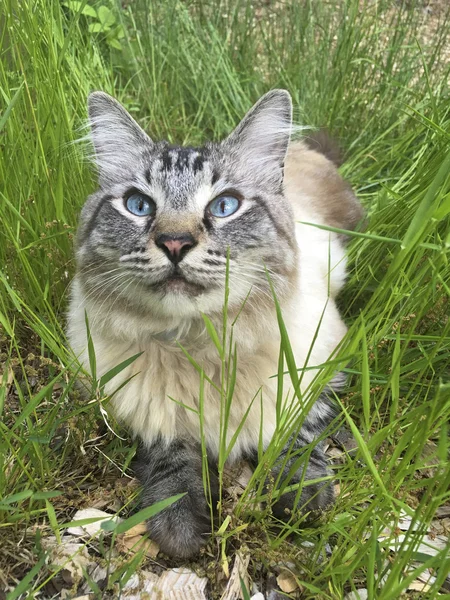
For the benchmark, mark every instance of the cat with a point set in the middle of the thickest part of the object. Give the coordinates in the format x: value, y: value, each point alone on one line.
x: 152, y: 250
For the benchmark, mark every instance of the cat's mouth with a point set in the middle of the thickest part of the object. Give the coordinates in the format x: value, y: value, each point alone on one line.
x: 177, y: 283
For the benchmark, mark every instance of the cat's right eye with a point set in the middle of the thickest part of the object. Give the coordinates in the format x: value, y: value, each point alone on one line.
x: 140, y: 205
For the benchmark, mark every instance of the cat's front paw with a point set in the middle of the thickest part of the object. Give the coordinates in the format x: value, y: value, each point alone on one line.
x: 182, y: 529
x: 169, y: 469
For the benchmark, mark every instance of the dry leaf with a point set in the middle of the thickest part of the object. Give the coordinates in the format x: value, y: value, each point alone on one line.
x: 9, y: 378
x: 440, y: 527
x: 97, y: 574
x: 181, y: 584
x: 135, y: 540
x: 426, y: 577
x: 428, y: 545
x: 361, y: 594
x: 443, y: 511
x: 287, y: 582
x: 430, y: 459
x: 91, y: 529
x: 233, y: 591
x: 405, y: 522
x: 335, y: 453
x: 141, y: 586
x: 239, y: 479
x: 139, y: 529
x: 100, y: 503
x: 133, y: 544
x: 73, y: 557
x: 245, y: 475
x: 419, y: 586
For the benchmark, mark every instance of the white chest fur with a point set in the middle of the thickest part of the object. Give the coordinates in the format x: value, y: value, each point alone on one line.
x: 162, y: 397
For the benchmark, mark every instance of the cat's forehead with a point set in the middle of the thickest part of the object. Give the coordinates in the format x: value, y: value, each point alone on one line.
x: 181, y: 170
x: 182, y: 159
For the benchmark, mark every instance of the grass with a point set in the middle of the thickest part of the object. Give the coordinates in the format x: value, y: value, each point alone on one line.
x: 376, y: 74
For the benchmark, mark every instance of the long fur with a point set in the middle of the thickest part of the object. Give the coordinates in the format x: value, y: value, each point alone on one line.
x: 122, y: 284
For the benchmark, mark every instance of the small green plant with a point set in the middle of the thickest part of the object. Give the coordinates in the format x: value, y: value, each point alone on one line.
x: 101, y: 20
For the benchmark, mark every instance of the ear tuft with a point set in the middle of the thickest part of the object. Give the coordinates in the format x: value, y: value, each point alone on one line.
x: 262, y: 137
x: 117, y: 139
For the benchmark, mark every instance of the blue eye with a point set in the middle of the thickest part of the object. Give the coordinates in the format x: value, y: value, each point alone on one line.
x: 223, y: 206
x: 140, y: 205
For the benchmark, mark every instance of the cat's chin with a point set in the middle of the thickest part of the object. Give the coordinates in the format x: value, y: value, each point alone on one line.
x: 179, y: 285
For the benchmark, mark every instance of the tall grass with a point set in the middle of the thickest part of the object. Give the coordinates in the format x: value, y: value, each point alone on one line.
x: 376, y: 74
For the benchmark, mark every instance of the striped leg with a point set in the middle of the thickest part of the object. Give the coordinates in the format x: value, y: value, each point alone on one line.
x: 164, y: 470
x: 312, y: 496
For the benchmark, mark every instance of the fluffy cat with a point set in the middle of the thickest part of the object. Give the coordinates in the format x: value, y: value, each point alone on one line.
x: 151, y: 255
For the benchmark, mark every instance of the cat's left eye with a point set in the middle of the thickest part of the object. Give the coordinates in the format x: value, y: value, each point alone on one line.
x: 223, y: 206
x: 140, y: 205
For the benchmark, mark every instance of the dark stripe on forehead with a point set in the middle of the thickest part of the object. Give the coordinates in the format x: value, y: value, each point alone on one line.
x: 148, y: 175
x: 182, y: 157
x: 198, y: 163
x: 215, y: 177
x: 166, y: 158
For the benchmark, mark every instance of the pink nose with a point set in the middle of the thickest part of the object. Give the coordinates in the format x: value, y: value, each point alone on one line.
x: 175, y: 247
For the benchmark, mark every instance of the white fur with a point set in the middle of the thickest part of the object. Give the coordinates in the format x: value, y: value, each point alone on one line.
x: 163, y: 372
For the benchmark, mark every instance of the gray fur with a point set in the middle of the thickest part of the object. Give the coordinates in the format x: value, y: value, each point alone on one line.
x: 165, y: 470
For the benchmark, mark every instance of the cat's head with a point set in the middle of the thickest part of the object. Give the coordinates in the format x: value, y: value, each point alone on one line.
x: 156, y: 235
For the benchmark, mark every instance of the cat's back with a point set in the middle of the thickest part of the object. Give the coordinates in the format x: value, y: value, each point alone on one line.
x: 319, y: 197
x: 316, y: 189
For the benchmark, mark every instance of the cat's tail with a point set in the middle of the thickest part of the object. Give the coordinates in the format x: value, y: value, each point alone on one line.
x: 322, y: 142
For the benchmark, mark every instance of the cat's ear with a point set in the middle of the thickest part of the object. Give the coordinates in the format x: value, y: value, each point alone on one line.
x: 262, y: 137
x: 117, y: 139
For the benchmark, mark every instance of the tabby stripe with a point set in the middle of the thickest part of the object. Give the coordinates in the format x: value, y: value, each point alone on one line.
x: 280, y: 230
x: 166, y: 470
x: 198, y: 164
x: 90, y: 226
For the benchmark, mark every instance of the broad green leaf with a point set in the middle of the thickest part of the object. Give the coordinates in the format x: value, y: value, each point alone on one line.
x: 96, y: 27
x: 81, y: 7
x: 17, y: 497
x: 142, y: 515
x: 115, y: 43
x: 46, y: 495
x: 106, y: 16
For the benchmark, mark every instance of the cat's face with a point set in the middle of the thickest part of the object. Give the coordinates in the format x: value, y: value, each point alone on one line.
x: 157, y: 234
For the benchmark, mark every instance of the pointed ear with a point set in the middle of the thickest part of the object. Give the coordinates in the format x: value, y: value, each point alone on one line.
x: 262, y: 137
x: 117, y: 139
